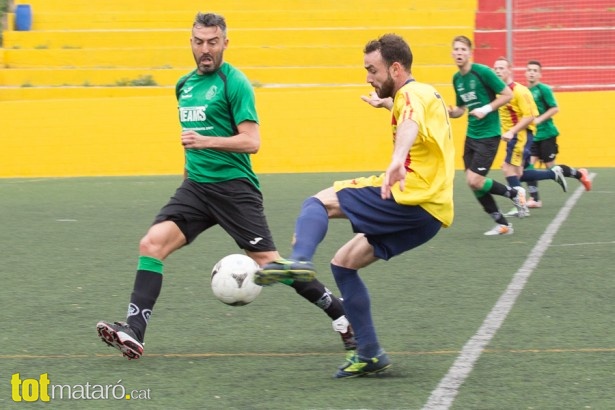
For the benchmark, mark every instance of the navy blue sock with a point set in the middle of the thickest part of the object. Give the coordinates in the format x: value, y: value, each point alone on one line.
x: 513, y: 180
x: 537, y: 175
x: 357, y: 306
x: 310, y: 229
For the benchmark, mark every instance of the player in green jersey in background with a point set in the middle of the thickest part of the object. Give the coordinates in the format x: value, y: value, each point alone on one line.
x: 545, y: 148
x: 481, y: 92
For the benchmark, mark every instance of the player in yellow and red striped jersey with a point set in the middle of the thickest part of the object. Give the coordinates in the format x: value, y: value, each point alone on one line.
x: 390, y: 213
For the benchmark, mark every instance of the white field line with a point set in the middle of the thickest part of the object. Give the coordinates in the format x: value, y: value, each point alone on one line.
x: 444, y: 394
x: 586, y: 244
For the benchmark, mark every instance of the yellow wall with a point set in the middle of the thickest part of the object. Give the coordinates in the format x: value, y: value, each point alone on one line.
x: 303, y: 130
x: 583, y: 124
x: 79, y: 130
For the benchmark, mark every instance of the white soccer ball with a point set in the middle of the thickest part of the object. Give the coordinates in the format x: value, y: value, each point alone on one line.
x: 232, y: 280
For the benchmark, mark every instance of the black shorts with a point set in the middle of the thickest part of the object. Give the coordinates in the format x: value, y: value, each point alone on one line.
x: 545, y: 150
x: 236, y: 205
x: 478, y: 154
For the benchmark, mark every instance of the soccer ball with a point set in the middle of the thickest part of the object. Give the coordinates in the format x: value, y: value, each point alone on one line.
x: 232, y: 280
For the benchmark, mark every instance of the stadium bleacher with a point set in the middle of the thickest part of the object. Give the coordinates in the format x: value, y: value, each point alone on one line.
x: 79, y: 42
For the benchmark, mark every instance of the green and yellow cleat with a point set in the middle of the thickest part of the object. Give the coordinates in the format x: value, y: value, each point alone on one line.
x: 283, y: 270
x: 356, y: 366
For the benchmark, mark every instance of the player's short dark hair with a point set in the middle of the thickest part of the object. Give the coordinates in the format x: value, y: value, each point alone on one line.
x: 393, y: 48
x: 465, y: 40
x: 534, y: 62
x: 210, y: 20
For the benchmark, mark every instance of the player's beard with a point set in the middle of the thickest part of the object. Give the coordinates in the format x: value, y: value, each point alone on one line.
x: 209, y: 63
x: 387, y: 88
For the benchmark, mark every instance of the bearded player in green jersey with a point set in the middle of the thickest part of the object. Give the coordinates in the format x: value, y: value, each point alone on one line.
x: 481, y: 92
x: 219, y: 132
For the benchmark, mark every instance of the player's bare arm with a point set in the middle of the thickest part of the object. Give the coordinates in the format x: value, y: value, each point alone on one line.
x: 456, y: 112
x: 546, y: 115
x: 396, y: 171
x: 519, y: 126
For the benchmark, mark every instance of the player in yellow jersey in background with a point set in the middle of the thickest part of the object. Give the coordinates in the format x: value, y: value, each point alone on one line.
x: 517, y: 120
x: 390, y: 213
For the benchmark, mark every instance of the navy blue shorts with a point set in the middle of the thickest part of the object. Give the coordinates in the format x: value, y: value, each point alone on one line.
x: 389, y: 227
x: 518, y: 148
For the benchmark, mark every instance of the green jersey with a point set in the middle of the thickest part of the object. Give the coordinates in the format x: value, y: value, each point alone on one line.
x: 543, y: 95
x: 476, y: 88
x: 213, y: 104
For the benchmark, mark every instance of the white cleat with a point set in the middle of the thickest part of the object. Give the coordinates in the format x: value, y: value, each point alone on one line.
x: 500, y: 230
